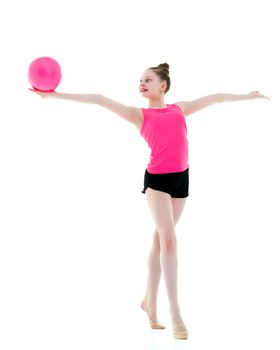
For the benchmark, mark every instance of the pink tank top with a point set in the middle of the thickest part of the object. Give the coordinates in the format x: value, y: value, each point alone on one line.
x: 165, y: 131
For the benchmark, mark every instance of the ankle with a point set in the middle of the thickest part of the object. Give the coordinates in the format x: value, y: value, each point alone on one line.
x: 176, y: 317
x: 174, y: 310
x: 150, y: 300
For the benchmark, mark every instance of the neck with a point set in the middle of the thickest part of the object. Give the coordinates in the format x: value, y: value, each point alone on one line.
x: 157, y: 103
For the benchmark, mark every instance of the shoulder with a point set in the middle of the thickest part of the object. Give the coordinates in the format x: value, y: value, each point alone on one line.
x: 185, y: 107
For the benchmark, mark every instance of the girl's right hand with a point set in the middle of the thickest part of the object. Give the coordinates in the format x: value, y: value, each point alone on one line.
x: 42, y: 93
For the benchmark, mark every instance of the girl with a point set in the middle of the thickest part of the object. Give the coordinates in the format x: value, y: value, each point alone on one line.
x: 166, y: 178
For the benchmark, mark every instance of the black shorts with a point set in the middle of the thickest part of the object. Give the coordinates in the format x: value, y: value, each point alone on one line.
x: 176, y: 184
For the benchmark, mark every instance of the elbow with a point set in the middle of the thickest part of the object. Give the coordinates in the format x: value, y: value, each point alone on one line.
x: 219, y: 97
x: 98, y: 99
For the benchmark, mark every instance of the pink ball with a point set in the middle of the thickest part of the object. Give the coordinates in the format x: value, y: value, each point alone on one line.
x: 44, y: 74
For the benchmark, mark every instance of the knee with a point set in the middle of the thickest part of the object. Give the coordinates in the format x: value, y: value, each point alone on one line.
x: 168, y: 243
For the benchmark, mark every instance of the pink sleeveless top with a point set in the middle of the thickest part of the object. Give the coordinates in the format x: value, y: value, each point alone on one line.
x: 165, y: 131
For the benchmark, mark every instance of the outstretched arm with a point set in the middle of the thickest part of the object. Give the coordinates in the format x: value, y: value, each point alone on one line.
x: 126, y: 112
x: 239, y: 97
x: 202, y: 102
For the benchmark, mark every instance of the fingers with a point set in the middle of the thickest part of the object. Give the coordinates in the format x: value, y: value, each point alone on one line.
x: 40, y: 93
x: 258, y: 95
x: 262, y: 96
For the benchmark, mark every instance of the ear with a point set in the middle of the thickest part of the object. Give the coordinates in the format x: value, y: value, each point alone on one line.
x: 163, y: 86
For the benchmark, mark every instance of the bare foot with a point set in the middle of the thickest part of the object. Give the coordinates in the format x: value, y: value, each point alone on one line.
x: 178, y: 323
x: 151, y: 312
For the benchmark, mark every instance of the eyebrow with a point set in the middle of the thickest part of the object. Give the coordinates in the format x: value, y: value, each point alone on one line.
x: 146, y: 77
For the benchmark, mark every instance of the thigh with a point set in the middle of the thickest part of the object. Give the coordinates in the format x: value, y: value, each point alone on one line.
x: 178, y: 205
x: 160, y: 204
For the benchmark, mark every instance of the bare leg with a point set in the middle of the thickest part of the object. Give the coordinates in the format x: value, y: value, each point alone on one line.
x: 149, y: 304
x: 168, y: 260
x: 161, y: 206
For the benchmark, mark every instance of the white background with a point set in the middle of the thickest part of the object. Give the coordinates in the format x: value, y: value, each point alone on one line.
x: 75, y: 227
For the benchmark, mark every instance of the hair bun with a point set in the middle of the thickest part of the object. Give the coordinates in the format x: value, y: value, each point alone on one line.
x: 164, y: 66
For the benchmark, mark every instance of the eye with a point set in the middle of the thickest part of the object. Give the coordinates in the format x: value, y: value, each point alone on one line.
x: 145, y: 80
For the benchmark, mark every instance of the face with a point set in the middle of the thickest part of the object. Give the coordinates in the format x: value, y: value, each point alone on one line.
x: 150, y: 84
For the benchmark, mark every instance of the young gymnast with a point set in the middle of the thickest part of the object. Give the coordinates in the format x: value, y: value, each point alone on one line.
x: 166, y: 178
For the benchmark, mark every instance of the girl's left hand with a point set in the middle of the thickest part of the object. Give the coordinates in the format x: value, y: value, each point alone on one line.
x: 256, y: 94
